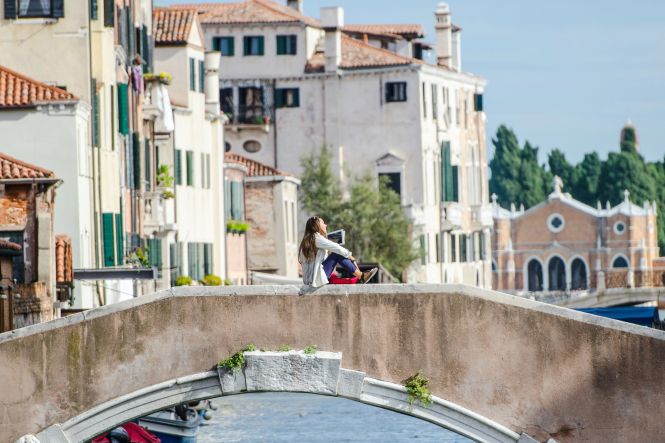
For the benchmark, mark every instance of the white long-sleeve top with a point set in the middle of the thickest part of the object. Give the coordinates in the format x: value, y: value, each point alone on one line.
x: 312, y: 271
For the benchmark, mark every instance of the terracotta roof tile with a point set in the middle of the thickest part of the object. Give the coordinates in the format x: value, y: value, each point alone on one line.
x: 249, y: 11
x: 11, y: 168
x: 8, y: 245
x: 64, y: 269
x: 409, y: 31
x: 256, y: 169
x: 172, y: 25
x: 359, y: 55
x: 17, y: 90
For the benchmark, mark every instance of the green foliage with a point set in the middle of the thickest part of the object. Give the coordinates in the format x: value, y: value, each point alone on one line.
x: 237, y: 360
x: 376, y: 226
x: 284, y: 348
x: 140, y: 256
x: 237, y: 227
x: 211, y: 280
x: 310, y: 350
x: 228, y: 282
x: 183, y: 280
x: 418, y: 388
x: 517, y: 177
x: 165, y: 180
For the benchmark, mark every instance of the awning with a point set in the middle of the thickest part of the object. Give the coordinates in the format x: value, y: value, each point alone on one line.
x: 643, y: 316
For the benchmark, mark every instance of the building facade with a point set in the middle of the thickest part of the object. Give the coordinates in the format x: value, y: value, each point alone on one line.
x: 366, y: 94
x: 565, y: 246
x: 271, y: 212
x: 27, y: 244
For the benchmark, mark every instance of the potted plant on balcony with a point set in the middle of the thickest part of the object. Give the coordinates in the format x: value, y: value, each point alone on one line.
x: 165, y: 182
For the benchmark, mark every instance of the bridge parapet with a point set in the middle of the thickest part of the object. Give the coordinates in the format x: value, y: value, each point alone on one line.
x: 533, y: 368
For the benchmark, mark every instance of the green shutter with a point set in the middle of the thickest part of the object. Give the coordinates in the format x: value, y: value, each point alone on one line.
x: 261, y: 46
x: 296, y: 97
x: 423, y: 251
x: 191, y: 265
x: 203, y: 171
x: 123, y: 109
x: 148, y: 165
x: 178, y: 167
x: 192, y: 74
x: 208, y: 266
x: 241, y: 200
x: 279, y: 98
x: 234, y: 201
x: 455, y: 191
x: 109, y: 16
x: 231, y: 46
x: 10, y: 9
x: 216, y: 44
x: 119, y: 238
x: 136, y: 157
x: 246, y: 42
x: 107, y: 238
x: 227, y: 200
x: 446, y: 172
x: 208, y: 179
x: 93, y: 9
x: 202, y: 76
x: 58, y: 8
x: 190, y: 168
x: 281, y: 44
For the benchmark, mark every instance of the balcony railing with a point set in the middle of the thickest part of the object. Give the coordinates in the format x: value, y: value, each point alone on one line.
x: 159, y: 216
x: 451, y: 216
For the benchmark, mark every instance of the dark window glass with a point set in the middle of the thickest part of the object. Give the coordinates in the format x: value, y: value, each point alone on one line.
x: 253, y: 45
x: 556, y: 222
x: 393, y: 180
x: 287, y: 98
x: 34, y: 8
x: 250, y: 109
x: 620, y: 262
x: 395, y: 92
x: 225, y: 45
x: 557, y: 274
x: 578, y: 274
x: 226, y: 100
x: 535, y: 275
x: 287, y: 44
x: 477, y: 102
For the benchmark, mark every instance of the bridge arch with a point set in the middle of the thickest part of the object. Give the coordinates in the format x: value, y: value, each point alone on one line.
x: 319, y: 374
x: 535, y: 369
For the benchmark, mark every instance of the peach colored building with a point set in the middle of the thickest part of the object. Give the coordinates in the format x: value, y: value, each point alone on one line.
x: 236, y: 238
x: 563, y: 245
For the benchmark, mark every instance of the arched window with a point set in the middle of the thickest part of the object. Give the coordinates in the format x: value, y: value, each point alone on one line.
x: 620, y: 262
x: 578, y: 274
x: 557, y: 273
x: 535, y: 271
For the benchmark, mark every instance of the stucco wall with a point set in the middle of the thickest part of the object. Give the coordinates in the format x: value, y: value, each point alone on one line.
x: 529, y: 366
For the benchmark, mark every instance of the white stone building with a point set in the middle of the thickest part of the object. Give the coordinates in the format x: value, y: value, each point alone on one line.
x: 291, y: 84
x: 192, y: 228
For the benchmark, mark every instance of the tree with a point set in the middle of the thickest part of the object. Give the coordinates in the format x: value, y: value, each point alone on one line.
x: 588, y: 177
x: 560, y: 166
x: 505, y: 166
x: 628, y: 139
x: 532, y: 177
x: 376, y: 226
x: 625, y: 170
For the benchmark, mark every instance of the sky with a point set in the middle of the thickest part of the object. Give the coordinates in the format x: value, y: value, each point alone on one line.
x: 564, y: 74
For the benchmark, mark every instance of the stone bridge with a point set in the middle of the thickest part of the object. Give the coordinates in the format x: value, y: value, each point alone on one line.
x: 501, y: 368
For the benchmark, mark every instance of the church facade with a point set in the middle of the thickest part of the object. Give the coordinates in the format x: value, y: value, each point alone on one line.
x: 563, y: 245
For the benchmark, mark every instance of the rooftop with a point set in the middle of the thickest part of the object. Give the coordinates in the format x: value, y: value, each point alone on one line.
x: 173, y: 25
x: 256, y: 169
x: 250, y: 11
x: 9, y: 245
x: 407, y: 31
x: 11, y: 168
x: 18, y: 90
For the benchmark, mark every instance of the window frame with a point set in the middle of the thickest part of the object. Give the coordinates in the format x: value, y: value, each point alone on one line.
x: 281, y: 95
x: 55, y: 10
x: 217, y: 45
x: 396, y: 92
x: 247, y: 45
x: 286, y: 44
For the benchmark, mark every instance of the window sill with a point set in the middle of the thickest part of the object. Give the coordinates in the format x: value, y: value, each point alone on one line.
x: 35, y: 21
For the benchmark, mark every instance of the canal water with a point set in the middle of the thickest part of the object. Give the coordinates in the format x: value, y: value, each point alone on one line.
x: 302, y: 418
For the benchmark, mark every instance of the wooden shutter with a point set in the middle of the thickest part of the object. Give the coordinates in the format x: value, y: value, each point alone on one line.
x: 123, y: 109
x: 178, y: 167
x: 120, y: 244
x: 455, y: 186
x: 191, y: 259
x: 202, y: 76
x: 230, y: 46
x: 192, y: 74
x: 10, y: 9
x: 94, y: 98
x: 207, y: 263
x: 216, y: 44
x: 136, y: 153
x: 247, y: 42
x: 423, y: 251
x: 261, y: 40
x: 148, y: 164
x: 446, y: 173
x: 107, y: 239
x: 293, y: 44
x: 296, y: 97
x: 279, y: 98
x: 109, y: 16
x: 58, y: 7
x: 234, y: 201
x: 241, y: 200
x: 190, y: 168
x: 93, y: 9
x: 281, y: 44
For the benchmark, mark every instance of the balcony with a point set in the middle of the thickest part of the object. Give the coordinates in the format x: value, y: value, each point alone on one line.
x: 482, y: 215
x: 249, y: 118
x: 451, y: 216
x: 159, y: 214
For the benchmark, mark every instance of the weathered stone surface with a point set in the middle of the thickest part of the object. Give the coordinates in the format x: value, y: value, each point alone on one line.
x: 525, y: 438
x: 232, y: 380
x: 293, y: 371
x: 350, y: 383
x: 52, y: 434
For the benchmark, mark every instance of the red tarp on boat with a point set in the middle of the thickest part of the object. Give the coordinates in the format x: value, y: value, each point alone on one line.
x: 137, y: 434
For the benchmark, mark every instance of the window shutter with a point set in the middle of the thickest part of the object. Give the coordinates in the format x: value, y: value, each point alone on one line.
x: 119, y: 238
x: 208, y: 258
x: 192, y: 74
x: 123, y: 109
x: 202, y: 76
x: 216, y: 46
x: 423, y: 251
x: 477, y: 102
x: 231, y: 46
x: 10, y: 9
x: 190, y: 168
x: 93, y: 9
x: 148, y: 165
x: 136, y: 152
x: 94, y: 96
x: 246, y: 45
x: 281, y: 44
x: 279, y: 98
x: 177, y: 167
x: 107, y: 238
x: 296, y: 97
x: 208, y: 157
x: 455, y: 184
x: 109, y: 17
x: 234, y: 200
x: 227, y: 200
x: 294, y: 44
x: 58, y: 8
x: 241, y: 200
x: 191, y: 259
x: 261, y: 39
x: 446, y: 173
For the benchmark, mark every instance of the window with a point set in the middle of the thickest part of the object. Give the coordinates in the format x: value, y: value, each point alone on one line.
x: 535, y: 276
x: 253, y: 45
x: 226, y: 100
x: 18, y: 261
x: 423, y: 250
x: 556, y: 223
x: 202, y: 76
x: 424, y: 100
x: 227, y: 147
x: 557, y: 274
x: 109, y: 13
x: 462, y: 248
x: 438, y: 250
x: 93, y: 10
x: 192, y: 74
x: 481, y: 246
x: 225, y: 45
x: 287, y: 98
x: 252, y: 146
x: 478, y: 102
x: 34, y: 8
x: 250, y: 109
x: 620, y: 262
x: 393, y: 180
x: 177, y: 167
x: 108, y: 239
x: 453, y: 248
x: 287, y: 44
x: 190, y: 168
x: 449, y: 175
x: 578, y: 275
x: 395, y: 92
x: 619, y: 228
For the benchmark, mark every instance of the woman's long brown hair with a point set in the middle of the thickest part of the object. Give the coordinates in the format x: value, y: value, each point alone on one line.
x: 308, y: 244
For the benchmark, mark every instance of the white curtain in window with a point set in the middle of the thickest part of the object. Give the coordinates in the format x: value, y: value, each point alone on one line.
x: 35, y: 7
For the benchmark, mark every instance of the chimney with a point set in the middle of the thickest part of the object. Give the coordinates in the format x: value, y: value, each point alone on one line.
x: 457, y: 48
x: 295, y: 4
x: 211, y: 64
x: 332, y: 19
x: 444, y: 35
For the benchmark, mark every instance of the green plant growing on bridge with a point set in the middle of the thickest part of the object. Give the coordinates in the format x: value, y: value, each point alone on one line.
x: 310, y: 350
x: 183, y: 280
x: 237, y: 360
x: 417, y: 387
x: 284, y: 348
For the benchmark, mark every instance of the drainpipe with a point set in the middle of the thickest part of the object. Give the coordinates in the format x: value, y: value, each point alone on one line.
x: 274, y: 122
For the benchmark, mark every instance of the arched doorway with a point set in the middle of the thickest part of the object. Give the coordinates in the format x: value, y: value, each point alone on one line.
x: 557, y: 274
x: 535, y: 276
x: 578, y: 275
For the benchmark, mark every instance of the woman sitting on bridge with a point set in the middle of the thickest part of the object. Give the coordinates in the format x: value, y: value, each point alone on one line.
x: 317, y: 264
